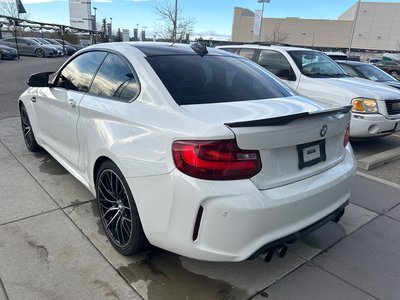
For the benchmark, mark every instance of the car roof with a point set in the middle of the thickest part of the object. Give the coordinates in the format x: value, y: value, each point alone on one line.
x: 158, y: 48
x: 258, y: 46
x: 352, y: 62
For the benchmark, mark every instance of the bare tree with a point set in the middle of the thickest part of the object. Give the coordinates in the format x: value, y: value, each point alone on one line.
x: 278, y: 35
x: 9, y: 8
x: 167, y: 22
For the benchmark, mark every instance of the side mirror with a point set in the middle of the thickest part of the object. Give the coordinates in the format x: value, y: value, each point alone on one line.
x: 39, y: 79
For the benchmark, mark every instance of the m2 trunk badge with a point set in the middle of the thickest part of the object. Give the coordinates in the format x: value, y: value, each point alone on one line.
x: 323, y: 131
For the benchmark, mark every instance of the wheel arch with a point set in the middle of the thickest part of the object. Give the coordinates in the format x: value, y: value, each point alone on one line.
x: 97, y: 164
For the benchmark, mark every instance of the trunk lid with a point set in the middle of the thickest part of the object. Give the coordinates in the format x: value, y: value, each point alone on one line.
x: 297, y: 138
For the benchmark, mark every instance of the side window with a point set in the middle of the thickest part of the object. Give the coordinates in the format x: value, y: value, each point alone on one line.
x: 78, y: 74
x: 115, y: 79
x: 349, y: 70
x: 22, y: 41
x: 248, y: 53
x: 229, y: 49
x: 277, y: 64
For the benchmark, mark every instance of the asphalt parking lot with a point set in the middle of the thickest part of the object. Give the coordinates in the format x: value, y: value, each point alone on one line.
x: 52, y: 245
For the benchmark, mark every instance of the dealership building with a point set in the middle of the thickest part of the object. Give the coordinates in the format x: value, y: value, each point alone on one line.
x: 368, y: 26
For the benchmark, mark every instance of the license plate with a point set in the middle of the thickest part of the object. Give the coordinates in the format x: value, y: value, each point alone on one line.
x: 311, y: 153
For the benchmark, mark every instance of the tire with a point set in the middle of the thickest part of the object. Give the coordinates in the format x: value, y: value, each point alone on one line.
x: 39, y: 53
x: 1, y: 56
x: 118, y: 212
x: 27, y: 131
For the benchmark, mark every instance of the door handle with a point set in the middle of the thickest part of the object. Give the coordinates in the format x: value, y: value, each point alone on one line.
x: 33, y: 99
x: 71, y: 103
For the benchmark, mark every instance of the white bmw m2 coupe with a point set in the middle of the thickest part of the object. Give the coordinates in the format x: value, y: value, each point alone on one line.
x: 193, y: 150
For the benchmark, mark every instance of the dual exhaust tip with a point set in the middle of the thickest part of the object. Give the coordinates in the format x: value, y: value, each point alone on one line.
x: 280, y: 251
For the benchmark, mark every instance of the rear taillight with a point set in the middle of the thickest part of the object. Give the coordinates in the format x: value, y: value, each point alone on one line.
x: 215, y: 160
x: 346, y: 136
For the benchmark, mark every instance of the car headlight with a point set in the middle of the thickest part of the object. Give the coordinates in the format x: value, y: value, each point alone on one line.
x: 5, y: 51
x: 364, y: 105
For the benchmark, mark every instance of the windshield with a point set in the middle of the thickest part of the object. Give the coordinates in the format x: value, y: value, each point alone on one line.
x: 53, y: 42
x: 316, y: 64
x: 43, y: 41
x: 33, y: 42
x: 374, y: 73
x: 192, y: 79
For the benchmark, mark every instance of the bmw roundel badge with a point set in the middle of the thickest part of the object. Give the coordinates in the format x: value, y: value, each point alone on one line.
x: 323, y: 131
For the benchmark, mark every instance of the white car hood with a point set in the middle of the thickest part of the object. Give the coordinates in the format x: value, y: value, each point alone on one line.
x: 239, y: 111
x: 358, y: 87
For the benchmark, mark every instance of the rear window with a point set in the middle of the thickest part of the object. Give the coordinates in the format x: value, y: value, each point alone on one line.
x: 192, y: 79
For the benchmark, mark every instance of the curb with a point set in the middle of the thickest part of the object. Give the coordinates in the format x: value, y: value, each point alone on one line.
x: 379, y: 159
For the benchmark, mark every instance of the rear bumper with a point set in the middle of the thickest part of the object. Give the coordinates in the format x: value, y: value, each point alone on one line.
x: 373, y: 125
x: 238, y: 219
x: 334, y: 216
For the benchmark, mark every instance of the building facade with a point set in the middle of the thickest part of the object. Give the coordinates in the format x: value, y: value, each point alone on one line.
x: 377, y: 28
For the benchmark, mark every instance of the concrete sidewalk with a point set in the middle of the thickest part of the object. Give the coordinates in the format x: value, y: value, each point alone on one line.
x: 52, y: 246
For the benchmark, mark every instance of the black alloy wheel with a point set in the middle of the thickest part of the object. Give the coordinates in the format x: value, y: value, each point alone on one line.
x: 118, y: 211
x: 39, y: 53
x: 27, y: 131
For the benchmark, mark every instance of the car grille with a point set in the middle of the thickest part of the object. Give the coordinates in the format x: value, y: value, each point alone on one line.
x: 393, y: 106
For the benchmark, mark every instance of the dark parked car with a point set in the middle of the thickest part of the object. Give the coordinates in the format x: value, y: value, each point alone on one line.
x: 368, y: 71
x: 59, y: 48
x: 27, y: 46
x: 390, y: 66
x: 77, y: 47
x: 69, y: 50
x: 8, y: 52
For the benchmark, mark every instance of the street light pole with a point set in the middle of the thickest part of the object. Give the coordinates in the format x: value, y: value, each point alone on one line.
x: 175, y: 21
x: 262, y: 15
x: 95, y: 24
x: 95, y: 18
x: 354, y: 27
x: 111, y: 30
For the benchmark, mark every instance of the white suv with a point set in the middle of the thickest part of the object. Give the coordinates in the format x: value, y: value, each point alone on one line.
x: 376, y: 108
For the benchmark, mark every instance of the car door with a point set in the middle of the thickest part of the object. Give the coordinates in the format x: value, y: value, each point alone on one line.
x: 102, y: 110
x: 57, y: 107
x: 24, y: 47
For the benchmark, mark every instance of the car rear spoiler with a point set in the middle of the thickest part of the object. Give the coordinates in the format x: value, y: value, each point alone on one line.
x: 283, y: 120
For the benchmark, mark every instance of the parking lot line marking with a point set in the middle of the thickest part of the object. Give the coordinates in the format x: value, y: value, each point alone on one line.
x: 380, y: 180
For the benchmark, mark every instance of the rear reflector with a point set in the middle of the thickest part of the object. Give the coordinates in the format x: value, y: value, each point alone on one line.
x: 197, y: 223
x: 346, y: 136
x: 215, y: 160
